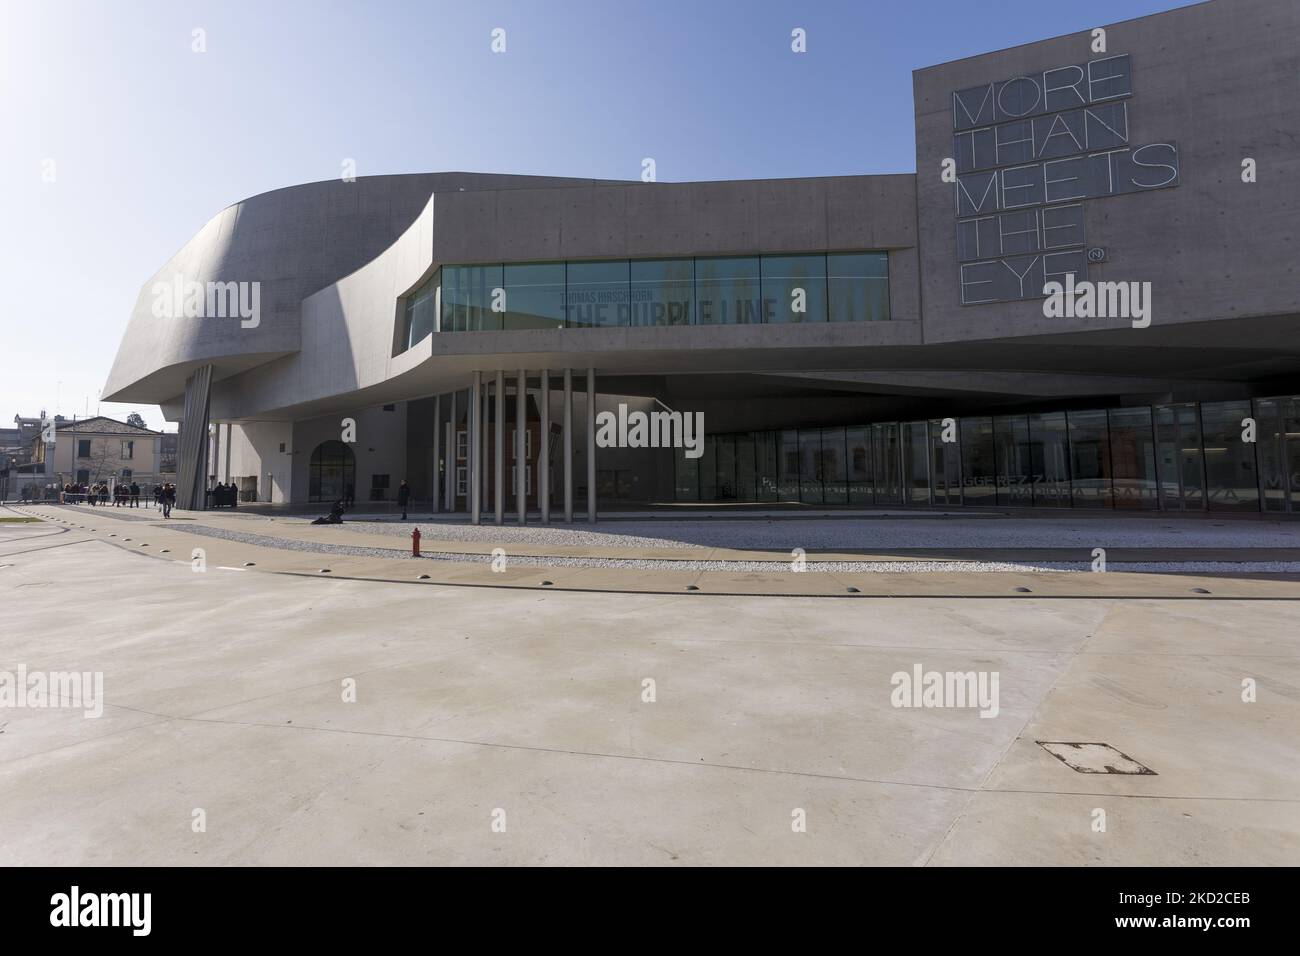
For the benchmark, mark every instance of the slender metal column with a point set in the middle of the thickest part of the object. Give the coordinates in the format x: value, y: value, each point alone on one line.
x: 544, y: 449
x: 435, y: 500
x: 450, y: 491
x: 591, y: 445
x: 568, y: 445
x: 521, y: 446
x: 499, y: 414
x: 229, y: 435
x: 472, y: 423
x: 485, y: 478
x: 216, y: 453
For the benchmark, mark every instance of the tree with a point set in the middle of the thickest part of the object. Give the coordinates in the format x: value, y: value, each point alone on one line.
x: 105, y: 459
x: 136, y: 419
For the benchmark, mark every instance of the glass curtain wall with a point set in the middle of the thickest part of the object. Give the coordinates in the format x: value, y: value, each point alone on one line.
x: 834, y: 467
x: 979, y: 462
x: 1049, y: 460
x: 1183, y: 457
x: 858, y: 448
x: 1133, y: 459
x: 916, y: 459
x: 747, y: 290
x: 1229, y: 459
x: 1090, y: 459
x: 794, y: 288
x: 1015, y: 478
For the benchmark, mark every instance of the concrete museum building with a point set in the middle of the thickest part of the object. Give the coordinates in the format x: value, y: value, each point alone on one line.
x: 1087, y: 296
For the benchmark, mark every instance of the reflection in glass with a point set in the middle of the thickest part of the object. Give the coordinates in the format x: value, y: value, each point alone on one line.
x: 467, y: 296
x: 1090, y: 458
x: 766, y: 455
x: 1049, y: 460
x: 1271, y: 451
x: 885, y: 461
x: 727, y: 292
x: 663, y: 292
x: 810, y: 472
x: 420, y: 311
x: 787, y: 478
x: 945, y: 465
x: 686, y: 476
x: 858, y: 441
x: 534, y: 295
x: 835, y: 488
x: 1133, y: 458
x: 979, y: 468
x: 1015, y: 474
x: 794, y: 288
x: 597, y: 295
x: 1229, y: 461
x: 858, y: 286
x: 709, y: 469
x: 726, y: 465
x: 916, y: 472
x: 745, y: 467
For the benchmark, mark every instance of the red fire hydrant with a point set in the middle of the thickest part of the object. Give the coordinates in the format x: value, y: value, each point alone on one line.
x: 415, y: 543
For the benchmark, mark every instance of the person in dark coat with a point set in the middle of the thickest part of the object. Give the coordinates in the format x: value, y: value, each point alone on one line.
x: 403, y: 496
x: 168, y: 499
x: 135, y: 495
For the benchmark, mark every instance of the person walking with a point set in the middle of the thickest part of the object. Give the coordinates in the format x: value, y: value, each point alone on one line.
x: 135, y: 495
x: 403, y: 496
x: 157, y: 496
x: 168, y: 499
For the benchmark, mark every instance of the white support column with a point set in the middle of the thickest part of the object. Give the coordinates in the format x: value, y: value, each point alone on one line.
x: 544, y: 449
x: 450, y: 434
x: 472, y: 423
x: 484, y: 477
x: 568, y: 445
x: 521, y: 438
x: 591, y: 445
x: 435, y: 499
x: 216, y: 453
x: 499, y: 414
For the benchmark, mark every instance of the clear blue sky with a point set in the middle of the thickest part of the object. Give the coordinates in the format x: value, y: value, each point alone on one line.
x: 150, y: 139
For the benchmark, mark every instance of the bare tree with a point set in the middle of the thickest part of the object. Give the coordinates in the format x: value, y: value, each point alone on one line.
x: 105, y: 459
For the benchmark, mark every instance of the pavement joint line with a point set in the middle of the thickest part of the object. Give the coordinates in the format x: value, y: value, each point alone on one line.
x: 677, y: 761
x: 1061, y: 670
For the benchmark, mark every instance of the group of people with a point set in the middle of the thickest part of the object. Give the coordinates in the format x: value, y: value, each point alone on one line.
x: 224, y: 496
x: 123, y: 495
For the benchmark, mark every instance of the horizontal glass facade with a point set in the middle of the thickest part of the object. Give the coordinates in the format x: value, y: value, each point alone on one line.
x: 1185, y: 457
x: 732, y: 290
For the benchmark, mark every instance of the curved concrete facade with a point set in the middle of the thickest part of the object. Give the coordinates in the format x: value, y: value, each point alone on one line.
x: 1195, y: 91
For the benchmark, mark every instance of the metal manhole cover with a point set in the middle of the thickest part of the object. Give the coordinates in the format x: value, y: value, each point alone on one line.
x: 1093, y: 758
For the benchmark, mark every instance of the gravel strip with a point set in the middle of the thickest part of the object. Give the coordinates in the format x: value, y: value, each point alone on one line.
x: 836, y: 567
x: 870, y: 533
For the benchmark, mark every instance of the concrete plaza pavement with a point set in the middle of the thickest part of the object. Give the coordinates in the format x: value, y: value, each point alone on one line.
x: 225, y: 690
